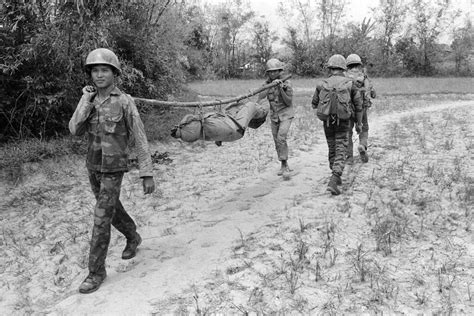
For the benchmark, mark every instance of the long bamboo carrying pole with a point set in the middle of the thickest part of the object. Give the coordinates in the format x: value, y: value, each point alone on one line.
x: 211, y: 103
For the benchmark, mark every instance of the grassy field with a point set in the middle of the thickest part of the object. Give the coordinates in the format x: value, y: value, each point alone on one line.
x: 384, y: 86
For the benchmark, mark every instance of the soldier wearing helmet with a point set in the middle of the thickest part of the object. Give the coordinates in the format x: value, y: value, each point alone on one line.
x: 356, y: 72
x: 282, y: 111
x: 335, y: 100
x: 102, y: 56
x: 110, y: 119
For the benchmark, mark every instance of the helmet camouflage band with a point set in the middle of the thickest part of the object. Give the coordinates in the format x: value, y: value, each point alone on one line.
x: 274, y: 64
x: 353, y: 59
x: 337, y: 61
x: 102, y: 56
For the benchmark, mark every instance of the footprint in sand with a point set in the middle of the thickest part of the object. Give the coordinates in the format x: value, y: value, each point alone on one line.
x: 288, y: 176
x: 261, y: 191
x: 126, y: 266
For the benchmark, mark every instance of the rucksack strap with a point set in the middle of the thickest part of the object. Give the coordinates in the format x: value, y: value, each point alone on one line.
x: 333, y: 118
x: 241, y: 129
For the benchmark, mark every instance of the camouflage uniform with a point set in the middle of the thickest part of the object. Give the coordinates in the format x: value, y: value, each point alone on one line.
x: 366, y: 90
x: 108, y: 210
x: 110, y: 126
x: 281, y: 115
x: 335, y: 130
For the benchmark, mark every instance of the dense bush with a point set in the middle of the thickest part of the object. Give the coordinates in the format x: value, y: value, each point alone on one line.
x: 44, y: 47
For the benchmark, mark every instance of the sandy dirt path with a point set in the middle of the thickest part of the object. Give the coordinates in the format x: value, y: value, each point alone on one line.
x: 178, y: 252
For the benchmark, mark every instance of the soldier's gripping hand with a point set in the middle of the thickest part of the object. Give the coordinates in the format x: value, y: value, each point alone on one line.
x: 277, y: 81
x: 373, y: 94
x: 89, y: 92
x: 148, y: 185
x: 281, y: 84
x: 359, y: 127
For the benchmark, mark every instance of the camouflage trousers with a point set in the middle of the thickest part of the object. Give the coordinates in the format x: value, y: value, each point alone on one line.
x: 363, y: 136
x: 337, y: 137
x: 280, y: 131
x: 108, y: 211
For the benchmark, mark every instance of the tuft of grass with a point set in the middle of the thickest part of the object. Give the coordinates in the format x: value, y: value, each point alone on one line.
x: 360, y: 263
x: 15, y: 154
x: 328, y: 235
x: 159, y: 121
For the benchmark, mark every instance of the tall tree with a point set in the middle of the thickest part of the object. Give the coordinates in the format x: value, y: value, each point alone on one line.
x: 359, y: 33
x: 196, y: 56
x: 462, y: 45
x: 307, y: 17
x: 429, y: 20
x: 230, y: 18
x: 390, y: 15
x: 313, y: 29
x: 262, y: 42
x: 330, y: 13
x: 300, y: 15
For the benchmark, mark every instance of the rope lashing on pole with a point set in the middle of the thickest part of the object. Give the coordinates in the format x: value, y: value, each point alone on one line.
x: 211, y: 103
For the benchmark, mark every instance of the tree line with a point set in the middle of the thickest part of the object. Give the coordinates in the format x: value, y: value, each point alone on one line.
x: 163, y: 43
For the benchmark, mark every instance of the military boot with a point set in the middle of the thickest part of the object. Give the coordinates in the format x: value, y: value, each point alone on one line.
x: 280, y: 172
x: 131, y: 248
x: 363, y: 153
x: 284, y: 168
x: 332, y: 185
x: 92, y: 282
x: 286, y: 173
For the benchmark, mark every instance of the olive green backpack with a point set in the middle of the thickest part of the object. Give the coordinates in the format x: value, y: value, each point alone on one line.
x: 335, y: 99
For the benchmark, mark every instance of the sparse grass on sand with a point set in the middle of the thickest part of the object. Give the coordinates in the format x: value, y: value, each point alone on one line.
x: 398, y: 240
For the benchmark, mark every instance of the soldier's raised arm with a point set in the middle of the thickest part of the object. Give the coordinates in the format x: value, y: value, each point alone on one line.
x: 77, y: 123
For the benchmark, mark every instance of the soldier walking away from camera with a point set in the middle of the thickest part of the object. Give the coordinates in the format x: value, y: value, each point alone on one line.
x: 356, y: 72
x: 335, y: 100
x: 282, y: 111
x: 111, y: 119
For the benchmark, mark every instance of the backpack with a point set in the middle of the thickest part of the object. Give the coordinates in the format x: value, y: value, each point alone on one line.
x: 362, y: 82
x: 335, y: 99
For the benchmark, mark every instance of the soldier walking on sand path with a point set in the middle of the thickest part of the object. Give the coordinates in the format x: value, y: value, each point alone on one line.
x: 335, y: 100
x: 110, y: 119
x: 282, y: 111
x: 356, y: 72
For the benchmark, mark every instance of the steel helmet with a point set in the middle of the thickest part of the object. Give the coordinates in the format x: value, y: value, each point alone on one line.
x: 337, y: 61
x: 274, y: 64
x: 102, y: 56
x: 353, y: 59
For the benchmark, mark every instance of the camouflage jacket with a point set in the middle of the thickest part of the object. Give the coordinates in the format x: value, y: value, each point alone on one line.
x: 364, y: 85
x: 111, y: 126
x: 279, y: 109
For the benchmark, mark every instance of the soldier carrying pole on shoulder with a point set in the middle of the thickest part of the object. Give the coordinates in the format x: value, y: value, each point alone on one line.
x: 110, y: 119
